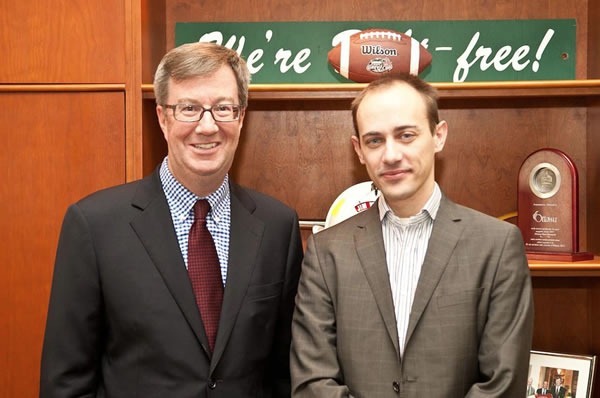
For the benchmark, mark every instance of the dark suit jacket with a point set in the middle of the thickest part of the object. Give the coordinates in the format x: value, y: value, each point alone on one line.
x: 470, y: 327
x: 123, y: 322
x: 561, y: 392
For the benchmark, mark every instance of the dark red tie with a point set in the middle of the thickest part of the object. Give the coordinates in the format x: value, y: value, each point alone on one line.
x: 205, y: 272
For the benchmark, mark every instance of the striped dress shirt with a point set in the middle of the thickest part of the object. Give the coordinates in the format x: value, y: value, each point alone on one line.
x: 405, y: 241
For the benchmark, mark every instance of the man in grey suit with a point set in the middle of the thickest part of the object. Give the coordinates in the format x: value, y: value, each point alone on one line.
x: 416, y: 296
x: 124, y: 317
x: 530, y: 388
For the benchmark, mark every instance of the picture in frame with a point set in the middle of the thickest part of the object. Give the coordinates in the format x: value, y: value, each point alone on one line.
x: 560, y: 375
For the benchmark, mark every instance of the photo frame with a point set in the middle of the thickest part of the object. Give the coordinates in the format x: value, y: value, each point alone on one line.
x: 573, y: 374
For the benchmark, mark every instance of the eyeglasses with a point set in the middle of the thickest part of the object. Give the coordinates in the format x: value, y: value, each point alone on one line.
x: 193, y: 113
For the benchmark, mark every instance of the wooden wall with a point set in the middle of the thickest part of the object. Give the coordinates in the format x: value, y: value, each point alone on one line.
x: 62, y: 42
x: 62, y: 124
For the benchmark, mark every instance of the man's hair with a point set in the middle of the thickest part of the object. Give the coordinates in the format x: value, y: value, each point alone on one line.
x: 199, y: 59
x: 428, y: 92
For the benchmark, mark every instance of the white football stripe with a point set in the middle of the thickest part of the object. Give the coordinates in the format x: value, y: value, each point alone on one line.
x: 345, y: 57
x: 414, y: 56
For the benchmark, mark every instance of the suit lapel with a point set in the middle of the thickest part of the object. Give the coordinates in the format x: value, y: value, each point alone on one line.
x: 368, y: 240
x: 446, y: 232
x: 156, y: 232
x: 246, y: 233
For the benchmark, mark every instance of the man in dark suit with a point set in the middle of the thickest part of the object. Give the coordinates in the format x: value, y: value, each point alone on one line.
x: 416, y: 296
x: 544, y: 389
x: 558, y: 391
x: 124, y: 317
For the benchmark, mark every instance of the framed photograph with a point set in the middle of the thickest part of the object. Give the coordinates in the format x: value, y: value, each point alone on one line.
x: 555, y: 375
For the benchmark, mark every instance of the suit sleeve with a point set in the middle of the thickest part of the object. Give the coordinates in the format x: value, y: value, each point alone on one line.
x: 314, y: 366
x: 280, y: 362
x: 505, y: 344
x: 71, y: 348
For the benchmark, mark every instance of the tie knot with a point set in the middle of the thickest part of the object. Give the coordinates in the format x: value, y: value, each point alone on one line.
x: 201, y: 209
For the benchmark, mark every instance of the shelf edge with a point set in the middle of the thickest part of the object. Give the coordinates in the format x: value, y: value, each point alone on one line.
x: 347, y: 91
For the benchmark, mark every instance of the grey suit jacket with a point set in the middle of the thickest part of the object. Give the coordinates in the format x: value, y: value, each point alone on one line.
x: 470, y: 328
x: 123, y: 322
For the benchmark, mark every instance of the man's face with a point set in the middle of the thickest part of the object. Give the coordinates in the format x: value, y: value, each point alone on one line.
x: 201, y: 153
x: 397, y: 147
x: 545, y: 384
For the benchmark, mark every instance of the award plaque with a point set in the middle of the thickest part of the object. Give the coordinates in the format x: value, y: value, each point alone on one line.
x: 548, y: 207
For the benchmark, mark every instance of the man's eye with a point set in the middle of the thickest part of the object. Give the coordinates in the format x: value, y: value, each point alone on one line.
x: 188, y: 108
x: 373, y: 141
x: 223, y: 108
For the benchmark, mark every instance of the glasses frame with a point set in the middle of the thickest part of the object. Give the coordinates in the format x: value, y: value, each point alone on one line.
x: 204, y: 110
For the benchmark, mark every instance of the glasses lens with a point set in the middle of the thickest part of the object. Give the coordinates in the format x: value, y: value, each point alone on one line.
x: 187, y: 112
x: 193, y: 112
x: 225, y: 112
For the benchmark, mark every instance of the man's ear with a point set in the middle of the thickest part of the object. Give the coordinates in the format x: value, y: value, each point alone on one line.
x: 357, y: 148
x: 241, y: 119
x: 162, y: 119
x: 439, y: 135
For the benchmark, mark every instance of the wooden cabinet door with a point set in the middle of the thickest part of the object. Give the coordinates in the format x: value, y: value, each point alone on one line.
x: 56, y: 148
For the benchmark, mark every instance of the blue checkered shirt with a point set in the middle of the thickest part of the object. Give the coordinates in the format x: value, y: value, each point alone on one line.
x: 181, y: 203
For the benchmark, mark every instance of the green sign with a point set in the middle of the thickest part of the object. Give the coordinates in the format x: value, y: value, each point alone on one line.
x: 462, y: 51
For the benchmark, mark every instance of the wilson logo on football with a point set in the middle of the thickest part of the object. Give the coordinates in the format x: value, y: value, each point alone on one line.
x: 378, y: 50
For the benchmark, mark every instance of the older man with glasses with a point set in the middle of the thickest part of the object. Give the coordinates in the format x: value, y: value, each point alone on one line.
x: 181, y: 284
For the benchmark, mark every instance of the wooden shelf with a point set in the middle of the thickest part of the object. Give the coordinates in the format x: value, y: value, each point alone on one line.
x: 347, y: 91
x: 569, y: 269
x: 44, y: 88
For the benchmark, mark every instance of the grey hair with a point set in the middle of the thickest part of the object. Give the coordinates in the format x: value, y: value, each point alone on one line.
x: 199, y: 59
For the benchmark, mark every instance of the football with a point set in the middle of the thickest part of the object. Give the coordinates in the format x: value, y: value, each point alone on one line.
x: 371, y: 53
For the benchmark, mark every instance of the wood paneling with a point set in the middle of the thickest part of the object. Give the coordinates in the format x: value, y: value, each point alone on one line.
x: 593, y: 177
x: 62, y: 41
x: 563, y: 314
x: 153, y: 38
x: 593, y: 56
x: 55, y: 149
x: 299, y: 152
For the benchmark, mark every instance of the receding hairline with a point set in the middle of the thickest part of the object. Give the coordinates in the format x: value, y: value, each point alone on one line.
x: 427, y: 93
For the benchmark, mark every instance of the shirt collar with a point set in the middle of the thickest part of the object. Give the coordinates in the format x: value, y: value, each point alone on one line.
x: 431, y: 207
x: 181, y: 200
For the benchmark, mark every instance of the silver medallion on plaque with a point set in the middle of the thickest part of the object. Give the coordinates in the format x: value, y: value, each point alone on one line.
x: 544, y: 180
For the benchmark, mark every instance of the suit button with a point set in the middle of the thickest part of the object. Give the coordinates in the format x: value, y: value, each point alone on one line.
x: 396, y: 386
x: 212, y: 384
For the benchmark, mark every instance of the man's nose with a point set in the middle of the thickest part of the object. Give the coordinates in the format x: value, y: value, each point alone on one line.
x: 206, y: 123
x: 392, y: 152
